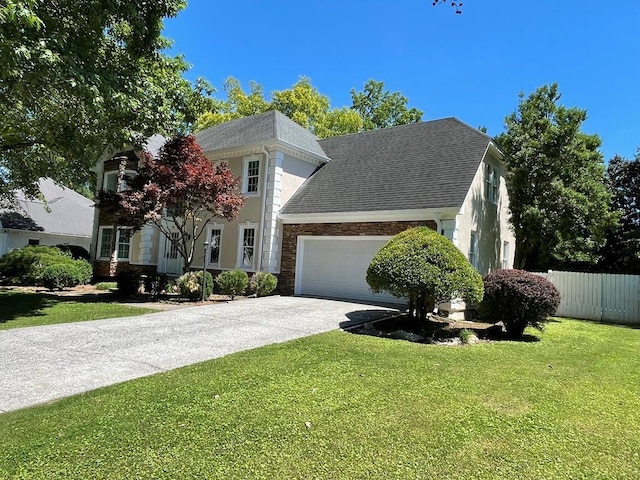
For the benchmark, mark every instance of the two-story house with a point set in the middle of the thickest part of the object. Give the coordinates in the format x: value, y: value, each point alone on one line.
x: 317, y: 210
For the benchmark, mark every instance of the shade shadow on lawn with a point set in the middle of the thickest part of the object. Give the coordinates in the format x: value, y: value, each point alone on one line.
x: 16, y: 305
x: 23, y: 309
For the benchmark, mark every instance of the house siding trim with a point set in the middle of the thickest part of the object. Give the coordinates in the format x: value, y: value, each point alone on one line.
x: 291, y: 232
x: 369, y: 216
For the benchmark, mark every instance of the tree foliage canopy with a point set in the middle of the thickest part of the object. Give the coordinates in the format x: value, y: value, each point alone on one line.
x: 560, y: 209
x: 303, y: 103
x: 425, y: 267
x: 622, y: 251
x: 78, y: 76
x: 179, y: 189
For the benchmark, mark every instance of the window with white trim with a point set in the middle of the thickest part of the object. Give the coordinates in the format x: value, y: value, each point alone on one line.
x: 251, y: 175
x: 247, y: 246
x: 492, y: 183
x: 33, y: 242
x: 505, y: 255
x: 123, y: 243
x: 215, y: 239
x: 473, y: 249
x: 110, y: 180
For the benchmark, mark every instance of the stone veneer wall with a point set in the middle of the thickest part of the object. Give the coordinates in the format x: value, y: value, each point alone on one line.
x: 290, y: 233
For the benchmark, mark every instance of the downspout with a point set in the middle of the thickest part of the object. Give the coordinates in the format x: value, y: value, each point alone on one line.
x: 436, y: 217
x: 263, y: 211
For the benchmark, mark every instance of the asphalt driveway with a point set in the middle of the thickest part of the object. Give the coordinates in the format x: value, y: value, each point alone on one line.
x: 41, y: 364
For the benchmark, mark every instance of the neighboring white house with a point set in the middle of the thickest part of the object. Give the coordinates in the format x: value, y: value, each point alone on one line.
x: 318, y: 209
x: 64, y: 217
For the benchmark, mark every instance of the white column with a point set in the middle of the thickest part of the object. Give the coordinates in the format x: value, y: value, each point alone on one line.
x: 271, y: 232
x: 146, y: 244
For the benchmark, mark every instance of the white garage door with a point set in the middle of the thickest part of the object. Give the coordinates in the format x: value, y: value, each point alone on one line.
x: 337, y: 267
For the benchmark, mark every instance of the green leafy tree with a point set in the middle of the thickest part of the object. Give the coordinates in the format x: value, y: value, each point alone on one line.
x: 380, y: 108
x: 339, y: 121
x: 560, y: 205
x: 621, y: 254
x: 238, y: 104
x: 426, y: 268
x: 304, y: 104
x: 78, y: 76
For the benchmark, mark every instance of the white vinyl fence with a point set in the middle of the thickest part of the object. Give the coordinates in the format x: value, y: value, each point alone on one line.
x: 597, y: 296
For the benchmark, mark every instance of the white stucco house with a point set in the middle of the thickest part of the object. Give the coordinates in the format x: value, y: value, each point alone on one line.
x: 317, y: 210
x: 61, y: 217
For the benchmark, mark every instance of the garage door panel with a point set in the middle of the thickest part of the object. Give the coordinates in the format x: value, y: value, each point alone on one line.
x: 338, y: 268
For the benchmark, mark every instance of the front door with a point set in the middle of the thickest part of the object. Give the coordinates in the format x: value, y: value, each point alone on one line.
x: 172, y: 260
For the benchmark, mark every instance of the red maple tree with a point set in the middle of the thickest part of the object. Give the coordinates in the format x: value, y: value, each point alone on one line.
x: 180, y: 190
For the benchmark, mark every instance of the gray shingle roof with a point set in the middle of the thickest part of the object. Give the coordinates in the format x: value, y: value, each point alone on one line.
x: 69, y: 212
x: 416, y: 166
x: 259, y: 129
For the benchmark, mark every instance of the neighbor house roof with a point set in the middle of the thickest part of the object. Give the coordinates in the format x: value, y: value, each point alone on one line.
x: 259, y: 129
x: 418, y: 166
x: 65, y: 212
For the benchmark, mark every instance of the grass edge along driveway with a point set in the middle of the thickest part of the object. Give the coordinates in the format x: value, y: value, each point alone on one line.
x: 24, y: 309
x: 339, y: 405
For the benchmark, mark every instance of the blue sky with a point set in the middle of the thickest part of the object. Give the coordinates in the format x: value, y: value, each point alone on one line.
x: 471, y: 66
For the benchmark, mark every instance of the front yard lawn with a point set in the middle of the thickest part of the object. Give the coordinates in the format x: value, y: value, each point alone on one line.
x: 345, y: 406
x: 24, y: 309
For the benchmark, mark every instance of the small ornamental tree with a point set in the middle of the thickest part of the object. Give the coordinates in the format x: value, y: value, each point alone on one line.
x: 180, y: 190
x: 426, y: 268
x: 518, y: 299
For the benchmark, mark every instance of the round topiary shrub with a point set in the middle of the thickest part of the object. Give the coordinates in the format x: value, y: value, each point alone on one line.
x: 190, y: 285
x: 518, y: 299
x: 232, y: 282
x: 425, y: 267
x: 263, y: 283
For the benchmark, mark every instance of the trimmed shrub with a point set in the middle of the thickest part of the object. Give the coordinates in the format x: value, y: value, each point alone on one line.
x: 190, y: 285
x: 232, y: 282
x: 426, y: 268
x: 518, y: 299
x: 66, y: 274
x: 128, y: 282
x: 263, y: 283
x: 24, y: 266
x: 48, y: 266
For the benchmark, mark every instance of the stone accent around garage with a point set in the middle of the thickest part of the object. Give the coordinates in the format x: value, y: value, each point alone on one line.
x: 291, y: 232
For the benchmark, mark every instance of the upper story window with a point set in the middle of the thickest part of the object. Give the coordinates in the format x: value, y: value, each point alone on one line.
x: 110, y: 181
x: 251, y: 175
x: 492, y: 183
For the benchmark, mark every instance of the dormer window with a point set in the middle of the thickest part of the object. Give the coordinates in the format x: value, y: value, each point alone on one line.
x: 251, y: 176
x: 492, y: 183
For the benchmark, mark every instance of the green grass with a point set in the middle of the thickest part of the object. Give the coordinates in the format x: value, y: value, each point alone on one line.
x: 20, y: 309
x: 106, y: 285
x: 564, y: 407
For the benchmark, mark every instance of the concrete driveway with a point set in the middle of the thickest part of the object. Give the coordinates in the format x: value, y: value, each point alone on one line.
x: 41, y: 364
